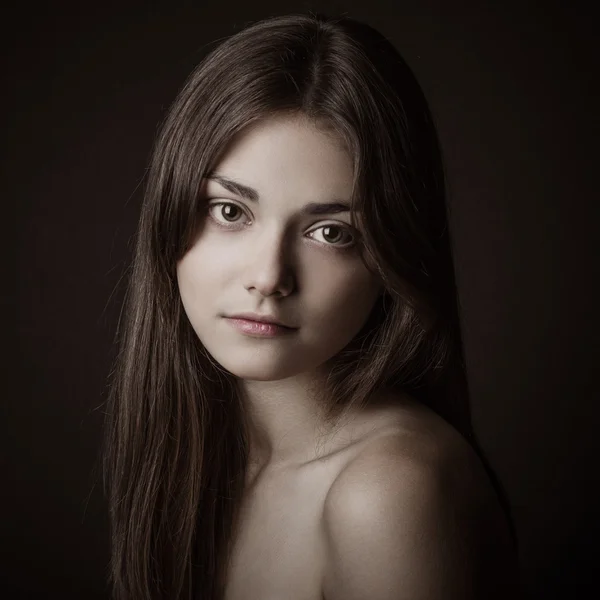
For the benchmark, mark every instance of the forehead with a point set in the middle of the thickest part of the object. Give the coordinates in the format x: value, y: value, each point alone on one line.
x: 288, y: 156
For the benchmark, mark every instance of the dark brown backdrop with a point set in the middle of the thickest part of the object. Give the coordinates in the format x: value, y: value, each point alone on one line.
x: 511, y: 85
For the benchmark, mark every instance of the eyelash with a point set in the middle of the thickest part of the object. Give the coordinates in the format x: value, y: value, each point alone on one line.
x: 326, y: 244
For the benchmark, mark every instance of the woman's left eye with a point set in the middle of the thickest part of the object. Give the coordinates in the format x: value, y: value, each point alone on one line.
x: 339, y: 231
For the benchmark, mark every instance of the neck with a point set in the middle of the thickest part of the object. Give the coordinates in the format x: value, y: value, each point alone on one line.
x: 286, y: 421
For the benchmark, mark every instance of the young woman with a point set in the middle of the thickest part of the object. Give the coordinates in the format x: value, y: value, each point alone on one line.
x: 289, y: 409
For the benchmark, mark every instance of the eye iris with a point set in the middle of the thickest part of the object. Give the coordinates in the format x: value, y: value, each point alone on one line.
x: 326, y: 233
x: 226, y: 211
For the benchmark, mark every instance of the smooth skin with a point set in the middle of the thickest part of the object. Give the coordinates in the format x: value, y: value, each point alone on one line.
x: 408, y: 520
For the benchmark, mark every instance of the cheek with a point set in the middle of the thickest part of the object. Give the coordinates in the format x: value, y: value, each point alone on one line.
x: 344, y: 298
x: 203, y: 266
x: 197, y: 278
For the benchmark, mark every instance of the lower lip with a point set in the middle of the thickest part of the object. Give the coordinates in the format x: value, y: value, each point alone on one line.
x: 259, y: 329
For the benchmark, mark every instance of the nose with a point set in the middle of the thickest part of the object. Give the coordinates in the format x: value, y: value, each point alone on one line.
x: 268, y: 269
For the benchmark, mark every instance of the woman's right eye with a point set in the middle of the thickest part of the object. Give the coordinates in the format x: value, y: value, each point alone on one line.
x: 226, y: 212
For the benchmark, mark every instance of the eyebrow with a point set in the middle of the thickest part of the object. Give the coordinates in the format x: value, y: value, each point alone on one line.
x: 312, y: 208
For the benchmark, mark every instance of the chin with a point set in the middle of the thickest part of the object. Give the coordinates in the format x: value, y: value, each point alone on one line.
x: 254, y: 365
x: 261, y: 372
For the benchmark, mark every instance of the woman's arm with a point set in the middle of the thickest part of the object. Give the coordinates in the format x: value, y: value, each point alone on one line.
x: 416, y: 525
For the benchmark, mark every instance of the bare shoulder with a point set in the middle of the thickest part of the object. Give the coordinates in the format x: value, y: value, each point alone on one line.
x: 414, y: 515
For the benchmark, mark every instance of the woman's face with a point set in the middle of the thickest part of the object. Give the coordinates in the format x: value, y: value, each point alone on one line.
x: 272, y: 255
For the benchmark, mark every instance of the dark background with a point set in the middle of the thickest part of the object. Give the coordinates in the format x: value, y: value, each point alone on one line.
x: 513, y: 88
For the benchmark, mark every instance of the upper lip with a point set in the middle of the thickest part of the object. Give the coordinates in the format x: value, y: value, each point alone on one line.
x: 260, y: 318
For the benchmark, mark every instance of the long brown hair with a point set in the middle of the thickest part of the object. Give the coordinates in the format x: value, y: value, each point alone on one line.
x: 176, y: 439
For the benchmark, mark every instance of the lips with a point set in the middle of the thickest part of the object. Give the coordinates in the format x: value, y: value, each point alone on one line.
x: 267, y: 319
x: 259, y: 329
